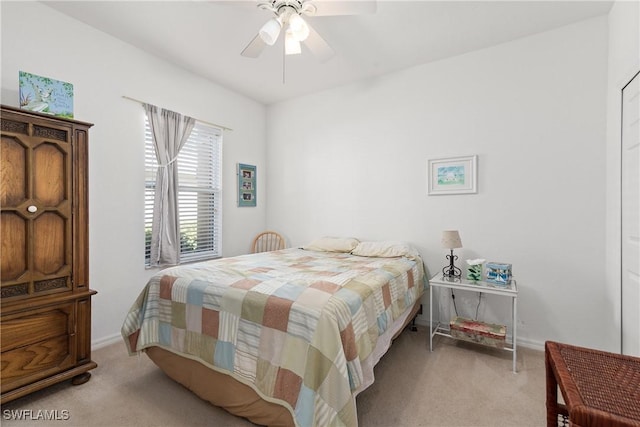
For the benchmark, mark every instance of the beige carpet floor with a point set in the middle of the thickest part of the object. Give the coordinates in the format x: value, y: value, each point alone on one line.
x: 459, y: 384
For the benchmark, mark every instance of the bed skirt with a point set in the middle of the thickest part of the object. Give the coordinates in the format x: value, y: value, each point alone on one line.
x: 239, y: 399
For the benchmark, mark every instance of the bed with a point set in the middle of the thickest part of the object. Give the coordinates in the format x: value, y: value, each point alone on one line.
x: 288, y: 337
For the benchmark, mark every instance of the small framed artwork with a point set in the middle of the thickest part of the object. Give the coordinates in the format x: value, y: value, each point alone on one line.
x: 45, y: 95
x: 246, y: 185
x: 452, y: 175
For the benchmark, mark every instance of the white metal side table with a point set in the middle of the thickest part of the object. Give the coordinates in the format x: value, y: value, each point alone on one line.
x: 510, y: 291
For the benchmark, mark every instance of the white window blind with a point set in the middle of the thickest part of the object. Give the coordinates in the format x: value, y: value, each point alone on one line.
x: 199, y: 193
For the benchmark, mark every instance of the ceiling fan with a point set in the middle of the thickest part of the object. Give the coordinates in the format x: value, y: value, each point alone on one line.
x: 289, y: 16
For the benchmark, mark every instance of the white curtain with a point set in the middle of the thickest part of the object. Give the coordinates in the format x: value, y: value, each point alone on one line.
x: 170, y: 131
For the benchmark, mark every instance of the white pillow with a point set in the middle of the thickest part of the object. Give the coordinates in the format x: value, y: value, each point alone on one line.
x: 333, y: 244
x: 385, y: 250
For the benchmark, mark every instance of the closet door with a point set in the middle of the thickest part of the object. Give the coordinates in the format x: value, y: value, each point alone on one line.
x: 35, y: 196
x: 631, y: 217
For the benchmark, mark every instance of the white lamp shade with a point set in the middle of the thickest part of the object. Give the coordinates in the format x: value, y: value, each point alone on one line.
x: 299, y: 28
x: 270, y: 31
x: 291, y: 45
x: 451, y: 239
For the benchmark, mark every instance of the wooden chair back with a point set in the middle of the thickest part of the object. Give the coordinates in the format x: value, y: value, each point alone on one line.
x: 267, y: 241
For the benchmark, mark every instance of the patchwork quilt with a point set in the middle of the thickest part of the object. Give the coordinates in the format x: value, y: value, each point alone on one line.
x: 298, y: 326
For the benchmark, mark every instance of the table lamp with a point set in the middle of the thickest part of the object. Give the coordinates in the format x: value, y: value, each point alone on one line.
x: 451, y: 240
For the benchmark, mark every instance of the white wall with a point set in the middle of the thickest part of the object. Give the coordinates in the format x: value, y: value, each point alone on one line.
x: 38, y: 39
x: 624, y: 63
x: 352, y: 162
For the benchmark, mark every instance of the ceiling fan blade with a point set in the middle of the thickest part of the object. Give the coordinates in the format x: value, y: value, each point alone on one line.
x: 343, y: 7
x: 318, y: 46
x: 254, y: 48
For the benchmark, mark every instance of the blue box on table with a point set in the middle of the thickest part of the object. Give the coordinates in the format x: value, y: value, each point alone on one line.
x: 498, y: 273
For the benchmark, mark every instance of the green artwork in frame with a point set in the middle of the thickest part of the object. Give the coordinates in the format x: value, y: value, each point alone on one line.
x: 452, y: 175
x: 246, y: 185
x: 46, y: 95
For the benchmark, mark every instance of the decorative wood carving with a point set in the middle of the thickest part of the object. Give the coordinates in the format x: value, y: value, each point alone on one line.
x: 15, y: 290
x: 15, y: 127
x: 50, y: 133
x: 47, y: 285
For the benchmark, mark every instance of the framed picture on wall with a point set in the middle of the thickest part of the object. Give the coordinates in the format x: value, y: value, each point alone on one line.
x: 246, y: 185
x: 452, y: 175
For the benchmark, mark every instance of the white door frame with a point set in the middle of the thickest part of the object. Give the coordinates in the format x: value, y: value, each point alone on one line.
x: 629, y: 218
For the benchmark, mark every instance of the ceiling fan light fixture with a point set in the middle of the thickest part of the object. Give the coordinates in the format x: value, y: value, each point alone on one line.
x: 270, y: 31
x: 291, y: 44
x: 299, y: 28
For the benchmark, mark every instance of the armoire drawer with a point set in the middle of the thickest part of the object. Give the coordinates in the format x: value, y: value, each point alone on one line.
x: 36, y: 344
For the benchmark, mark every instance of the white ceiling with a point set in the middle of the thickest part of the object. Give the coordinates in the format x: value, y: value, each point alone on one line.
x: 206, y: 37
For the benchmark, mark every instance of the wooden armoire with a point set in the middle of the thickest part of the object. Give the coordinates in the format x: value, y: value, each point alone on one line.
x: 45, y: 316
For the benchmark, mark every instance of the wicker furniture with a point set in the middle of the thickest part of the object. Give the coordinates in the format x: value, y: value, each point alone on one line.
x: 599, y: 388
x: 267, y: 241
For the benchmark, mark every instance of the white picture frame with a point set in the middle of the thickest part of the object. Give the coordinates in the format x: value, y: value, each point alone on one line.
x: 452, y: 175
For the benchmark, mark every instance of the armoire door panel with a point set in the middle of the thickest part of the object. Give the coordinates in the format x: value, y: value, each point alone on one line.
x: 13, y: 164
x: 50, y: 172
x: 13, y: 262
x: 51, y: 240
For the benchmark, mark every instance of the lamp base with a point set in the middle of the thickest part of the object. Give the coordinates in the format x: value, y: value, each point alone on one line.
x: 451, y: 271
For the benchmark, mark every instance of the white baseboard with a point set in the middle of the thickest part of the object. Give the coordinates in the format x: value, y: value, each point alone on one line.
x: 531, y: 344
x: 103, y: 342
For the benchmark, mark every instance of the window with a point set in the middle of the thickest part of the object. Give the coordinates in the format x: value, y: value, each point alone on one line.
x: 199, y: 193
